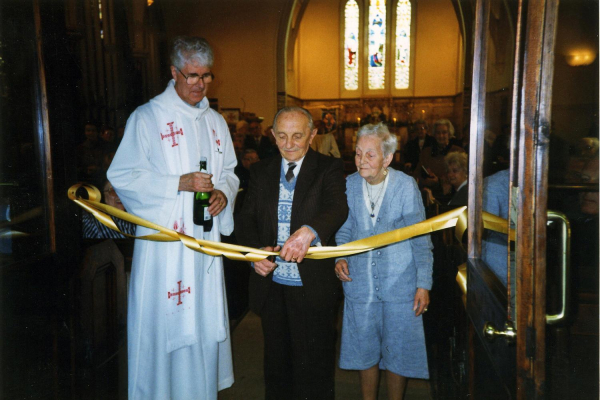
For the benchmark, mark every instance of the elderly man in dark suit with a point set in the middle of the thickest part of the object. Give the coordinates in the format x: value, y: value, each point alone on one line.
x: 413, y: 148
x: 295, y: 200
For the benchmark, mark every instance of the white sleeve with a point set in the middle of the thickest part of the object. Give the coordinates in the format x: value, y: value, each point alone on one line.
x: 228, y: 181
x: 137, y: 171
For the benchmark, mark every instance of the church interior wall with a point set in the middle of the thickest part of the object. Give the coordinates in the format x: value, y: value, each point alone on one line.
x: 575, y: 110
x: 437, y: 49
x: 319, y: 46
x: 243, y: 35
x: 438, y: 42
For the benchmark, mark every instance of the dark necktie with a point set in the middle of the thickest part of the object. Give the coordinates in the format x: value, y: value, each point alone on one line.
x: 290, y: 172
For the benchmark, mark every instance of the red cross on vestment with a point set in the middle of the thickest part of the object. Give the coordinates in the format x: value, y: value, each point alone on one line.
x: 179, y: 293
x: 172, y: 134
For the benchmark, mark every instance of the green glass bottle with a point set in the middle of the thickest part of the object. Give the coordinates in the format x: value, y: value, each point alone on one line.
x: 201, y: 214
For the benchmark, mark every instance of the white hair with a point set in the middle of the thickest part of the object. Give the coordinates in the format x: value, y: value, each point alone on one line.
x: 188, y: 49
x: 389, y: 141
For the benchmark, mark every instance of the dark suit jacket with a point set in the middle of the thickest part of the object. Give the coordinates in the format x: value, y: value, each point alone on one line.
x: 264, y: 148
x: 460, y: 198
x: 412, y: 152
x: 319, y: 202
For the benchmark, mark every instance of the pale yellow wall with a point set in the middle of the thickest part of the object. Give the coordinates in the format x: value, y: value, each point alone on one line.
x: 318, y: 45
x: 438, y: 50
x: 243, y: 35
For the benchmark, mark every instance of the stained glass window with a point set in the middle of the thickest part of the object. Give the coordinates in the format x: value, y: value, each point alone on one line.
x: 377, y: 30
x: 402, y: 58
x: 372, y: 54
x: 351, y: 14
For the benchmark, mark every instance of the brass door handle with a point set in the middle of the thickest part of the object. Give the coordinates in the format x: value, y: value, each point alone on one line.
x: 561, y: 316
x: 490, y: 332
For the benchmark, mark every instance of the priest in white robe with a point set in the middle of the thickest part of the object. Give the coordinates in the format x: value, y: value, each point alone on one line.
x: 177, y: 325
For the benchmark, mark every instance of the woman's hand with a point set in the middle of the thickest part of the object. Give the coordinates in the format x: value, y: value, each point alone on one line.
x: 421, y: 301
x: 341, y: 271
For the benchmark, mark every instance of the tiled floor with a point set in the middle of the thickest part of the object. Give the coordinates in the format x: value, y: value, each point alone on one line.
x: 248, y: 363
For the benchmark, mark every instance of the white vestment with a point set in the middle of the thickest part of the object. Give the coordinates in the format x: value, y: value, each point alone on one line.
x: 177, y: 326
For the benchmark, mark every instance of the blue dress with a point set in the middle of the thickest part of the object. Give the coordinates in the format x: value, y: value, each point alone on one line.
x: 379, y: 324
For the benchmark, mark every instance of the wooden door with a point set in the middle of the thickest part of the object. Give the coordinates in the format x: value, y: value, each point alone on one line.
x: 506, y: 291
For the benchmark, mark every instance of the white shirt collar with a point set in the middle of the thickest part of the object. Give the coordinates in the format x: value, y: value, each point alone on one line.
x: 296, y: 170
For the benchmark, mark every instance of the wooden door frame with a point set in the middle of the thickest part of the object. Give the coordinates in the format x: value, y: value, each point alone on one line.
x: 534, y: 127
x: 534, y: 88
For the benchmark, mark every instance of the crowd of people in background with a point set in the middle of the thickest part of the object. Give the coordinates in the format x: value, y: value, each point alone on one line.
x: 435, y: 156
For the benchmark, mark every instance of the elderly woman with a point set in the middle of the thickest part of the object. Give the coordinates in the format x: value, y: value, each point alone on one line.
x: 431, y: 167
x: 456, y: 186
x: 457, y: 165
x: 386, y: 289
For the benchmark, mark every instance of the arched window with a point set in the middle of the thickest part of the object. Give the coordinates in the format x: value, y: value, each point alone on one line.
x: 351, y: 37
x: 377, y: 61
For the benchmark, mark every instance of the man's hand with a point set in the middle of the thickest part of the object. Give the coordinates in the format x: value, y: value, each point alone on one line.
x: 196, y: 182
x: 217, y: 201
x: 265, y: 267
x: 341, y: 271
x: 296, y: 247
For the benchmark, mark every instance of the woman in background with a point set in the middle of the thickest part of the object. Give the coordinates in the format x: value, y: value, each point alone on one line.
x: 456, y: 185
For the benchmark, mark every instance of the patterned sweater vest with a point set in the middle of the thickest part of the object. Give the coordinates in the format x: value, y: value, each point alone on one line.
x: 286, y: 273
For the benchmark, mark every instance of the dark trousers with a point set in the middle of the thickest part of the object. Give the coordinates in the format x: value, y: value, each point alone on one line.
x: 299, y: 345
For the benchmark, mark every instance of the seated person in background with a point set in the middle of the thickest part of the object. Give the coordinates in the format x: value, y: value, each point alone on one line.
x: 456, y: 186
x: 325, y: 142
x: 413, y: 148
x: 376, y: 116
x: 431, y: 163
x: 582, y: 211
x: 238, y: 144
x: 242, y: 171
x: 249, y: 157
x: 107, y: 140
x: 582, y: 152
x: 94, y: 229
x: 242, y: 128
x: 584, y: 242
x: 257, y: 141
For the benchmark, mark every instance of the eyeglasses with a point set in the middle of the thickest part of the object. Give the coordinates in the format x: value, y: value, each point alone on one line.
x: 192, y: 79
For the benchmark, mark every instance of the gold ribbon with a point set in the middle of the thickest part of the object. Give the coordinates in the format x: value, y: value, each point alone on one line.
x: 455, y: 218
x: 461, y: 279
x: 103, y: 212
